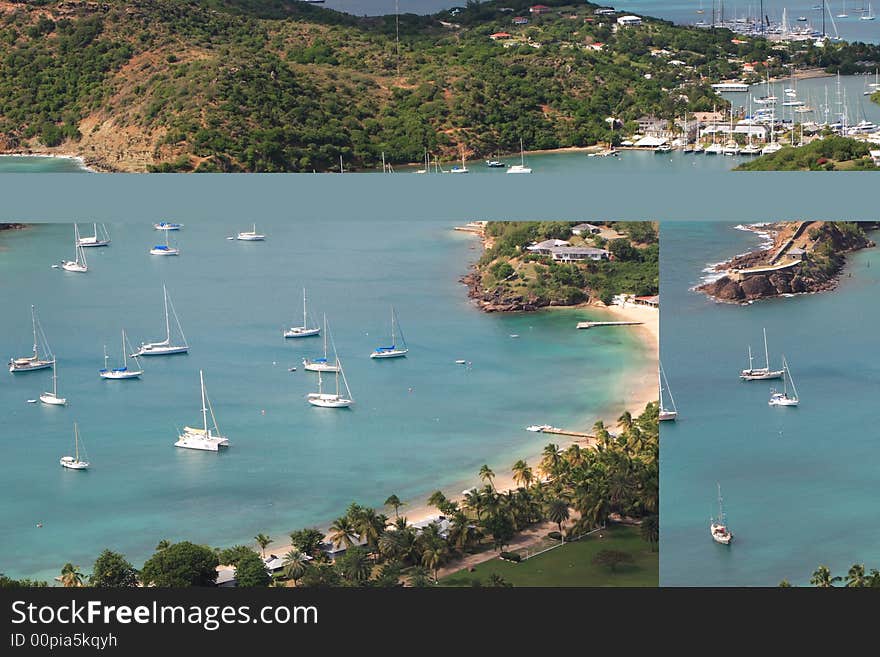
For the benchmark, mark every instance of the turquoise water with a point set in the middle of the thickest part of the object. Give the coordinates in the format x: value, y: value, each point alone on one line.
x: 799, y: 484
x: 40, y: 164
x: 419, y: 423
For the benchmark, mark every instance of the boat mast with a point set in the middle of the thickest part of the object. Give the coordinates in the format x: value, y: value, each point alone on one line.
x: 76, y: 441
x: 34, y: 323
x: 105, y: 356
x: 393, y: 342
x: 54, y: 381
x: 720, y: 506
x: 204, y: 405
x: 167, y: 319
x: 124, y: 356
x: 304, y: 306
x: 325, y: 339
x: 766, y: 352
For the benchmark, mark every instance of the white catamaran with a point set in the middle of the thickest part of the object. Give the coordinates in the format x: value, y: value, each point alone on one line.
x: 393, y: 350
x: 760, y: 373
x: 718, y: 526
x: 79, y: 264
x: 118, y: 373
x: 321, y: 364
x: 332, y: 400
x: 305, y: 330
x: 666, y: 413
x: 165, y: 347
x: 52, y: 398
x: 784, y: 398
x: 101, y: 238
x: 75, y: 462
x: 207, y: 438
x: 34, y: 362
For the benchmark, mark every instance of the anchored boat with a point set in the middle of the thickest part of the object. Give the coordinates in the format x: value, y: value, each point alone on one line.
x: 165, y: 347
x: 760, y: 373
x: 75, y: 462
x: 207, y: 438
x: 33, y: 362
x: 393, y: 350
x: 119, y: 373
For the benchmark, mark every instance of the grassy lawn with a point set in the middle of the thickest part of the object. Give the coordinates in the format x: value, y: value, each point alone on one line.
x: 572, y: 564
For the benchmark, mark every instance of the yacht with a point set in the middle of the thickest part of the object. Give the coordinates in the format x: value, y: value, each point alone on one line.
x: 120, y: 373
x: 305, y: 330
x: 250, y: 236
x: 784, y: 398
x: 165, y: 347
x: 321, y: 364
x: 75, y: 462
x: 495, y: 164
x: 79, y: 264
x: 206, y: 438
x: 167, y: 225
x: 718, y: 526
x: 521, y: 167
x: 34, y: 361
x: 101, y: 238
x: 393, y: 350
x: 760, y: 373
x: 670, y: 413
x: 52, y: 398
x: 323, y: 399
x: 164, y: 249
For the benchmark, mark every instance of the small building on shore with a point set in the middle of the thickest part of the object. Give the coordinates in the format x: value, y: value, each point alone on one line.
x: 629, y: 21
x: 578, y: 253
x: 651, y: 301
x: 585, y: 229
x: 545, y: 247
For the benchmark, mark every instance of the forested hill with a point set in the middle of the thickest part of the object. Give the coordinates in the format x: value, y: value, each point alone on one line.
x: 263, y: 85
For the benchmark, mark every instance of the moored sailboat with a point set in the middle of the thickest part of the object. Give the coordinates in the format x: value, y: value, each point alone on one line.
x: 305, y: 330
x: 101, y: 238
x: 165, y: 347
x: 165, y: 249
x: 521, y: 167
x: 52, y: 398
x: 321, y: 364
x: 79, y: 264
x: 665, y: 414
x: 718, y: 526
x: 328, y: 399
x: 760, y: 373
x: 34, y: 361
x: 119, y: 373
x: 75, y: 462
x: 250, y: 235
x: 206, y: 438
x: 393, y: 350
x: 784, y: 398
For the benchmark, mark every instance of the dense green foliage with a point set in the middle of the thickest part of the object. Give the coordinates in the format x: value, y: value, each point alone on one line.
x: 181, y: 565
x: 856, y: 577
x: 9, y: 583
x: 251, y: 571
x: 825, y: 154
x: 111, y: 570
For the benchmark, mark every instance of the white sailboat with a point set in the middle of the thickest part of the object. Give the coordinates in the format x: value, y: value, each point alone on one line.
x: 75, y: 462
x: 118, y: 373
x: 718, y: 526
x: 393, y: 350
x: 843, y: 13
x: 250, y: 235
x: 868, y: 15
x: 101, y: 238
x: 462, y: 169
x: 521, y: 167
x: 165, y: 249
x: 167, y: 225
x: 784, y: 398
x: 33, y: 362
x: 165, y: 347
x: 79, y: 265
x: 52, y: 398
x: 207, y: 438
x: 305, y: 330
x: 321, y: 364
x: 323, y: 399
x: 760, y: 373
x: 666, y: 414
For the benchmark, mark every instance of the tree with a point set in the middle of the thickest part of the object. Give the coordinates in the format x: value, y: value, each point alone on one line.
x: 251, y: 571
x: 496, y: 580
x: 70, y: 576
x: 355, y: 565
x: 164, y: 543
x: 262, y: 540
x: 550, y: 460
x: 785, y: 584
x: 437, y: 499
x: 320, y: 576
x: 856, y: 576
x: 308, y: 541
x: 294, y: 565
x: 342, y: 532
x: 500, y: 526
x: 822, y: 578
x: 111, y: 570
x: 231, y: 556
x: 522, y: 474
x: 180, y: 565
x: 433, y: 556
x: 651, y: 530
x: 557, y: 511
x: 612, y: 559
x: 487, y: 476
x: 394, y: 502
x: 419, y: 578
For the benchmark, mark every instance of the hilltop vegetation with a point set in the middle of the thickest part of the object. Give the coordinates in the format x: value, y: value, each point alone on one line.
x: 272, y: 85
x: 831, y: 153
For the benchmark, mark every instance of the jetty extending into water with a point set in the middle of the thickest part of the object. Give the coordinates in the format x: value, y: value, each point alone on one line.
x: 589, y: 325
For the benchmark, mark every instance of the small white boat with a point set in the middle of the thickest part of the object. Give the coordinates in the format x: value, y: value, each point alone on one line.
x: 784, y: 398
x: 495, y: 164
x: 79, y: 264
x: 393, y: 350
x: 460, y: 361
x: 760, y: 373
x: 166, y: 347
x: 323, y: 399
x: 772, y: 147
x: 521, y: 167
x: 121, y: 373
x: 750, y: 149
x: 52, y: 398
x: 663, y: 148
x: 208, y: 439
x: 75, y: 462
x: 164, y: 249
x: 665, y: 414
x: 462, y: 169
x: 101, y: 238
x: 718, y: 526
x: 305, y: 330
x: 167, y: 225
x: 34, y: 361
x: 538, y: 428
x: 730, y: 148
x: 321, y: 364
x: 250, y: 236
x: 713, y: 149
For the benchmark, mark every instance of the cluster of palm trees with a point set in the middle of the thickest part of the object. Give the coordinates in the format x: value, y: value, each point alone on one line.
x: 856, y: 577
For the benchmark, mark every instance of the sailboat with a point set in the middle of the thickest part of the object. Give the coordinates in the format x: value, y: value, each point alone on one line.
x: 33, y: 362
x: 167, y: 225
x: 97, y: 239
x: 165, y: 249
x: 462, y: 169
x: 79, y: 265
x: 760, y: 373
x: 521, y: 167
x: 843, y: 13
x: 392, y: 351
x: 783, y: 398
x: 121, y: 372
x: 868, y: 15
x: 332, y: 400
x: 321, y: 364
x: 165, y: 347
x: 666, y: 413
x: 207, y: 438
x: 250, y: 236
x: 52, y: 398
x: 303, y: 331
x: 718, y: 526
x: 74, y: 462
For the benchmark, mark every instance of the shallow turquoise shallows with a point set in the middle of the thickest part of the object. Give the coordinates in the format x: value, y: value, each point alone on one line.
x: 799, y: 484
x: 419, y: 423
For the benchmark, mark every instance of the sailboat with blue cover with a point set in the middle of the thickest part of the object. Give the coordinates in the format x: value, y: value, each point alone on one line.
x: 394, y: 350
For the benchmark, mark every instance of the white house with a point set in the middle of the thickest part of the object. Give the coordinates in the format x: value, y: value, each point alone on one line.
x: 589, y: 229
x: 544, y: 248
x: 578, y: 253
x: 629, y: 21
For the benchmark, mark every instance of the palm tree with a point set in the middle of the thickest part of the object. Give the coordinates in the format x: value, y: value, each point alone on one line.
x: 474, y: 499
x: 486, y: 475
x: 522, y: 474
x: 856, y: 575
x: 433, y: 556
x: 394, y: 502
x: 437, y: 499
x: 557, y: 511
x: 294, y: 565
x: 822, y: 578
x: 549, y: 460
x: 70, y: 576
x: 651, y: 530
x: 342, y: 532
x: 369, y: 525
x: 163, y: 544
x: 262, y: 540
x: 625, y: 421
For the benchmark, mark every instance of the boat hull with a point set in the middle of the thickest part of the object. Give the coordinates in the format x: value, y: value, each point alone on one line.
x: 300, y: 332
x: 330, y: 402
x: 250, y: 238
x: 756, y: 375
x: 159, y: 350
x: 720, y: 534
x: 201, y: 443
x: 51, y: 400
x: 75, y: 267
x: 393, y: 353
x: 319, y: 367
x: 18, y: 365
x: 72, y: 464
x: 667, y: 416
x: 164, y: 252
x: 88, y: 243
x: 114, y: 375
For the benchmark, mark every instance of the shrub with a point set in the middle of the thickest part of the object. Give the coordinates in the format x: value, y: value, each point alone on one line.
x: 511, y: 556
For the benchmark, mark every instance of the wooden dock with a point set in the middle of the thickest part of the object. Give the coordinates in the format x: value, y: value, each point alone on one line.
x: 567, y: 432
x: 589, y: 325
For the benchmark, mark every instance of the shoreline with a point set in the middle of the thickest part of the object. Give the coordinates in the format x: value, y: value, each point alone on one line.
x: 79, y: 159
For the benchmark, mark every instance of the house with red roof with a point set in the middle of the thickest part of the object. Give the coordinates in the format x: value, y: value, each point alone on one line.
x: 537, y: 10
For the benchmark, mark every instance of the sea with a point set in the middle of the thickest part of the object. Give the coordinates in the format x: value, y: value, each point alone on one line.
x: 419, y: 423
x: 798, y: 484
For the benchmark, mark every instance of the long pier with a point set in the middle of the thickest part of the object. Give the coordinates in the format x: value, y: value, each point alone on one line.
x: 567, y: 432
x: 589, y: 325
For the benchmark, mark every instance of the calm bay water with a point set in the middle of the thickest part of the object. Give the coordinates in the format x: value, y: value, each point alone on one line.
x: 419, y: 423
x: 799, y: 484
x: 40, y: 164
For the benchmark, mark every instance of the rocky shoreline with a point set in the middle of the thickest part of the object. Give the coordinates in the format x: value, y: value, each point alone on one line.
x: 496, y: 301
x: 818, y: 271
x: 12, y: 226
